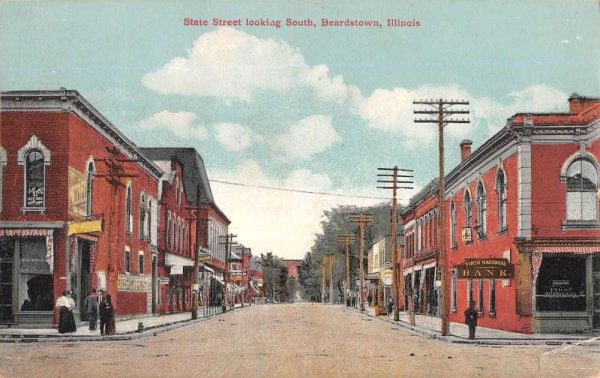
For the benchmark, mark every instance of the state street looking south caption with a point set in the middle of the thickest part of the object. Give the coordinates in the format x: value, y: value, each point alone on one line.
x: 307, y: 22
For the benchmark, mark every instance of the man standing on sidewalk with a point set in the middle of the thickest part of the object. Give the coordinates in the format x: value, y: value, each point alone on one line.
x: 471, y: 319
x: 91, y: 307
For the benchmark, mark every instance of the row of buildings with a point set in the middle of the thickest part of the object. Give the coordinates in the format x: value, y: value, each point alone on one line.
x: 522, y: 227
x: 82, y: 207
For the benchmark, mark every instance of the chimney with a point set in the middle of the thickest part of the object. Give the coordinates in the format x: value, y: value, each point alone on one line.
x: 465, y: 149
x: 579, y: 104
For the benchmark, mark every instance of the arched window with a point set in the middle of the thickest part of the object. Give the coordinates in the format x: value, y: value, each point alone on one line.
x: 452, y: 224
x: 481, y: 210
x: 34, y: 179
x: 501, y: 191
x: 142, y: 216
x: 582, y: 184
x: 468, y: 205
x: 128, y: 213
x: 89, y: 194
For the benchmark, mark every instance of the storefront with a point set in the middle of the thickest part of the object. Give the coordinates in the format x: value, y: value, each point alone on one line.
x: 27, y: 277
x: 419, y: 284
x: 566, y: 284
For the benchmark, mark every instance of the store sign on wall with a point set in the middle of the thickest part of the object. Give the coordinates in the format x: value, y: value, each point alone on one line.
x: 136, y: 284
x: 77, y: 192
x: 486, y: 268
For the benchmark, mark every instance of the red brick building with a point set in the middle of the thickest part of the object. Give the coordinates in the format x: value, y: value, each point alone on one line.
x: 522, y: 224
x: 76, y: 207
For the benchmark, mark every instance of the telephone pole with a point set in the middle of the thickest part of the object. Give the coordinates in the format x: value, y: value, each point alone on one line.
x: 441, y: 112
x: 330, y: 257
x: 229, y: 241
x: 361, y: 220
x: 323, y: 281
x: 347, y: 239
x: 406, y: 178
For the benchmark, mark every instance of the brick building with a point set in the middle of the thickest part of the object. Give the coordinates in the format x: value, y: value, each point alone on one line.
x: 522, y: 224
x: 77, y: 200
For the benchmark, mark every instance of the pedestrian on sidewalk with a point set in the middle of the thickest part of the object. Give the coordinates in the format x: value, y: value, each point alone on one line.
x: 471, y: 319
x: 390, y: 305
x: 65, y: 305
x: 90, y: 305
x: 107, y: 316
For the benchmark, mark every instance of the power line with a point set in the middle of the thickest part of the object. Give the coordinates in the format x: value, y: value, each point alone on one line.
x: 298, y: 190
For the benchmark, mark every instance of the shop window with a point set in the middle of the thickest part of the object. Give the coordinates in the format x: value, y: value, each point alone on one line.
x: 561, y: 284
x: 89, y: 192
x: 141, y: 263
x: 452, y: 224
x: 582, y: 184
x: 453, y: 295
x: 127, y: 267
x: 481, y: 211
x: 36, y: 283
x: 469, y: 292
x: 480, y: 295
x: 128, y: 212
x: 501, y: 191
x: 492, y: 284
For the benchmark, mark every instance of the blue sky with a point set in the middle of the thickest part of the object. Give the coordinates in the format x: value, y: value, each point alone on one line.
x: 310, y: 108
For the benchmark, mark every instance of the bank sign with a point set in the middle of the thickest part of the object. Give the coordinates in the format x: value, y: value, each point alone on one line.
x: 486, y: 268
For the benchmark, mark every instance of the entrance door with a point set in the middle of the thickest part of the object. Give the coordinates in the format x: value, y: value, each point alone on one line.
x: 596, y: 289
x: 85, y: 277
x: 7, y: 253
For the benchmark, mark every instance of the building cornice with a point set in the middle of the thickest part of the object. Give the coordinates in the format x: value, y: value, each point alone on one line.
x: 71, y: 101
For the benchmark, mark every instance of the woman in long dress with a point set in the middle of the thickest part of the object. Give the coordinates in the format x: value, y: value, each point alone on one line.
x: 66, y: 320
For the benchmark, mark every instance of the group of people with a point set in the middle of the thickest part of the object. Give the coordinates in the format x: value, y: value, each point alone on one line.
x: 351, y: 299
x: 95, y: 305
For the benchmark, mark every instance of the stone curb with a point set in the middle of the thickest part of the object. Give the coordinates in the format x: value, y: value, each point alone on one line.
x: 430, y: 334
x: 125, y: 336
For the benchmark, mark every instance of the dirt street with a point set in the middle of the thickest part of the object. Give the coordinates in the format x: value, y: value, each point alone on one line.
x: 295, y: 340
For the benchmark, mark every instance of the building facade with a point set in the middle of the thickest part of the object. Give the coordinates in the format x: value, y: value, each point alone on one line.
x: 71, y: 219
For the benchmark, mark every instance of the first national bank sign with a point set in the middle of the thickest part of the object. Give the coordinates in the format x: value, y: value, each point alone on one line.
x: 486, y: 268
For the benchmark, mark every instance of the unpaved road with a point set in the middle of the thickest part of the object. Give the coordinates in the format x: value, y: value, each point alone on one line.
x: 296, y: 340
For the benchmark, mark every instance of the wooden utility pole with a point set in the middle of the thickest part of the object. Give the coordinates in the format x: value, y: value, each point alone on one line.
x: 442, y: 113
x: 115, y: 172
x: 330, y: 262
x: 228, y: 243
x: 346, y: 239
x: 196, y: 287
x: 361, y: 220
x: 396, y: 260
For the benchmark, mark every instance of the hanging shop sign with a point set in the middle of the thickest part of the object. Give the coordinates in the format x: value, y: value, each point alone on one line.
x: 466, y: 235
x: 486, y: 268
x: 85, y: 227
x: 77, y: 192
x: 387, y: 277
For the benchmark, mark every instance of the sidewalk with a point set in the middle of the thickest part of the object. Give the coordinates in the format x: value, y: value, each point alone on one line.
x: 429, y: 326
x: 126, y: 329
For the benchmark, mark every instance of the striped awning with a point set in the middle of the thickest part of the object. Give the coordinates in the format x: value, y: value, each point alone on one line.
x: 577, y: 250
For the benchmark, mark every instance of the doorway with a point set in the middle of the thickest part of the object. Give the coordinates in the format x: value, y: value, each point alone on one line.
x: 84, y: 277
x: 596, y: 291
x: 7, y: 250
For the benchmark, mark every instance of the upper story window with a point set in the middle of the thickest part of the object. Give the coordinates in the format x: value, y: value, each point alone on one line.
x: 142, y: 217
x: 89, y: 194
x: 582, y: 184
x: 34, y: 156
x: 481, y: 211
x: 468, y: 205
x: 452, y: 224
x: 2, y: 164
x: 501, y: 191
x: 128, y: 212
x: 149, y: 206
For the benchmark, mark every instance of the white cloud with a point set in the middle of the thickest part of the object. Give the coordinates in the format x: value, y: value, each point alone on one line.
x: 392, y: 110
x: 309, y: 136
x: 280, y: 221
x: 231, y: 64
x: 179, y: 123
x: 235, y: 137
